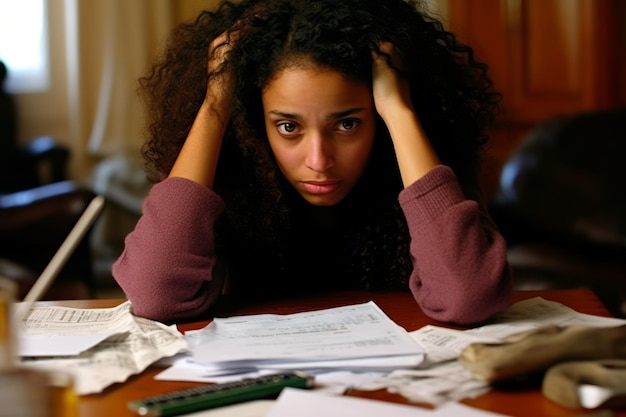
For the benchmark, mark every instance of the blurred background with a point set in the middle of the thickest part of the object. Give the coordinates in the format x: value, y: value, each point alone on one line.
x: 71, y: 78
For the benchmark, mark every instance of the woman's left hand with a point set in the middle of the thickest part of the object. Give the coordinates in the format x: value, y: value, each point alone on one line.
x: 391, y: 90
x: 392, y: 98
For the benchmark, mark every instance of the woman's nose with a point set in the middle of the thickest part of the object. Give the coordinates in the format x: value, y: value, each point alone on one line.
x: 319, y: 153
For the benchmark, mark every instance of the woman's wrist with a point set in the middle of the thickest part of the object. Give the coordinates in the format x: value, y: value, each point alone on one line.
x: 198, y: 157
x: 414, y: 152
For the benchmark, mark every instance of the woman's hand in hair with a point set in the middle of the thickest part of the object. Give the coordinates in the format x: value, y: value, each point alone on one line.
x: 219, y: 94
x: 197, y: 160
x: 392, y: 98
x: 391, y: 90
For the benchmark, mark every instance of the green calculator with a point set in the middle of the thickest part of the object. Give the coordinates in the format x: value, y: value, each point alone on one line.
x: 217, y: 395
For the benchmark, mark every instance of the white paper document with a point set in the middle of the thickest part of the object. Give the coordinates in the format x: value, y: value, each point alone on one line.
x: 58, y: 345
x: 294, y: 402
x: 297, y: 402
x: 258, y: 408
x: 357, y: 337
x: 126, y: 344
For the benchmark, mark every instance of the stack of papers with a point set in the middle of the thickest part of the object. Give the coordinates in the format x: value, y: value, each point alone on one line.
x: 358, y: 337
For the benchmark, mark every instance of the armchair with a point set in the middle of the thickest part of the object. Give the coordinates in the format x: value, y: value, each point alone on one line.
x: 561, y: 206
x: 33, y: 225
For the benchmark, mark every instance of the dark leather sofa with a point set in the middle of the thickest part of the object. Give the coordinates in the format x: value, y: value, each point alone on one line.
x: 561, y: 206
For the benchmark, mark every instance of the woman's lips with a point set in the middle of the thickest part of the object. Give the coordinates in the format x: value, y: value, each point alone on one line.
x: 320, y: 187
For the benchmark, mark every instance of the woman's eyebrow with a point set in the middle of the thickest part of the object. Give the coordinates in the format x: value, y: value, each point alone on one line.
x: 331, y: 116
x: 345, y: 113
x: 285, y: 115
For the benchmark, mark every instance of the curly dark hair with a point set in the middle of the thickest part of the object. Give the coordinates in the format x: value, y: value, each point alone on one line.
x: 450, y: 90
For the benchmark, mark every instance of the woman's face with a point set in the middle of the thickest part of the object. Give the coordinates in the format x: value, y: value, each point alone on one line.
x: 321, y: 129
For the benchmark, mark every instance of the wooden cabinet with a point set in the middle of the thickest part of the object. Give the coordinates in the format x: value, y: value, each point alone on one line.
x: 547, y: 57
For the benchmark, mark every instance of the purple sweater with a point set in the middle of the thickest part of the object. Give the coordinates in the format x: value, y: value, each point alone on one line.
x: 169, y: 270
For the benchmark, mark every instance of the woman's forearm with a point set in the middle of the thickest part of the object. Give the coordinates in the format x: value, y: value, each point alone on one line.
x: 415, y: 155
x: 168, y: 267
x: 392, y: 98
x: 197, y: 160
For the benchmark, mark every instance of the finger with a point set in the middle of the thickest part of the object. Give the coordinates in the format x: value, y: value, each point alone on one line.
x: 387, y: 52
x: 386, y: 47
x: 218, y: 49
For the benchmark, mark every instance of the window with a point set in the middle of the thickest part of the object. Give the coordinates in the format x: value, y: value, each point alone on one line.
x: 24, y: 45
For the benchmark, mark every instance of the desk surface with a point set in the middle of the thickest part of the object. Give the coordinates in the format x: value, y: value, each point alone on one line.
x: 400, y: 307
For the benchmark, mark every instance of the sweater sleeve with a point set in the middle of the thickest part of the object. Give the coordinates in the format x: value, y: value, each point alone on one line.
x: 167, y: 269
x: 460, y: 272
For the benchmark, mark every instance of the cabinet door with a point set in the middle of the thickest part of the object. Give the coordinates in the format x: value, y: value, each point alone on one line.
x: 547, y: 57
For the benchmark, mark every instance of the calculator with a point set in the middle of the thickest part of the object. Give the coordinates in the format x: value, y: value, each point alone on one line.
x: 216, y: 395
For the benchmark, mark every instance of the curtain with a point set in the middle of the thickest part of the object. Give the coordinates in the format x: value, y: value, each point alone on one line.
x: 110, y: 44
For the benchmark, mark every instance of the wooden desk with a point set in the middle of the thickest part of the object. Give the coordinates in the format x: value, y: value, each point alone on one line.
x: 400, y: 307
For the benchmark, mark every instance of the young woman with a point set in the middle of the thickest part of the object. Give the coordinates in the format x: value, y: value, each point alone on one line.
x: 301, y: 146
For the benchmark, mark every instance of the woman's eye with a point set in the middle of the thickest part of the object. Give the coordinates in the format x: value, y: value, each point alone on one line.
x: 348, y: 124
x: 287, y: 128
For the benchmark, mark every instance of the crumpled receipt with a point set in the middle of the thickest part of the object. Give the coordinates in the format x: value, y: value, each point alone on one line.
x: 135, y: 343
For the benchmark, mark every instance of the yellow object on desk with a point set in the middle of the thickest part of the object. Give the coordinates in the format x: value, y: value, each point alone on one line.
x: 27, y: 392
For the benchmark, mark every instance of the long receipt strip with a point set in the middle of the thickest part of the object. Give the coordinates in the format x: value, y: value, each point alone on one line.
x: 131, y: 343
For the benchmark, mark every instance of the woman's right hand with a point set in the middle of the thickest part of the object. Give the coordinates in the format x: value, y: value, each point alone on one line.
x: 220, y: 75
x: 391, y: 91
x: 197, y: 160
x: 392, y: 98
